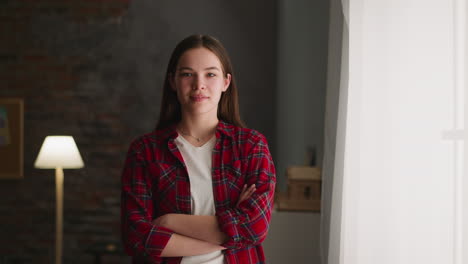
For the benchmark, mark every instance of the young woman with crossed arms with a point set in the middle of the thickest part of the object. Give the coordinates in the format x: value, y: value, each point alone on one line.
x: 200, y: 187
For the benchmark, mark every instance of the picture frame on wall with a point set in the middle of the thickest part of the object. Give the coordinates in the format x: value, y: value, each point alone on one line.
x: 11, y: 138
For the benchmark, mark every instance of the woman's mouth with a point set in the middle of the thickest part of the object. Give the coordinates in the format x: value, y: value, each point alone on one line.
x: 198, y: 98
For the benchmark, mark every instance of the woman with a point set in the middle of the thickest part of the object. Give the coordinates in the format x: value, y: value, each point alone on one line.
x: 199, y: 188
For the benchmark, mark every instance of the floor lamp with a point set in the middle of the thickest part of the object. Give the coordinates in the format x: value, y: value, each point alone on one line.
x: 59, y: 152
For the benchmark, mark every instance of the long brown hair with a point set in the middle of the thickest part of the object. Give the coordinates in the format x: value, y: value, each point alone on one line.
x: 228, y: 106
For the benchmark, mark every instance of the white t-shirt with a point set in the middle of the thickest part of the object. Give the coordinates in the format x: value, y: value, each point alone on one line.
x: 198, y: 162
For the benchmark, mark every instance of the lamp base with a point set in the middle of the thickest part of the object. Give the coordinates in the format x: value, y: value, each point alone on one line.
x: 59, y: 214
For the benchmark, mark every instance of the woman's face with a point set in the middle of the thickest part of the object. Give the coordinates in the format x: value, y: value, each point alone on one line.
x: 199, y: 81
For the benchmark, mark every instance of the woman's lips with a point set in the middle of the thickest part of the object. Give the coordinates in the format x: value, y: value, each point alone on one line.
x: 198, y: 98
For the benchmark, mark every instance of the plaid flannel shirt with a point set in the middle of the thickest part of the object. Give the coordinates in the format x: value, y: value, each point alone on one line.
x: 155, y: 182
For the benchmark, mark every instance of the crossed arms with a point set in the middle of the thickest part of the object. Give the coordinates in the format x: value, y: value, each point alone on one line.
x: 195, y: 234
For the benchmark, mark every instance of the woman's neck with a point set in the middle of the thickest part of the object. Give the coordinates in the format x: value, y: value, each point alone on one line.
x: 198, y: 127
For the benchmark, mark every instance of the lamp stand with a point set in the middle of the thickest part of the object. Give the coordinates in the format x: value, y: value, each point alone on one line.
x: 59, y: 214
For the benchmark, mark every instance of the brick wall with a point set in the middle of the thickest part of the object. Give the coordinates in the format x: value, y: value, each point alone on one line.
x: 50, y: 54
x: 94, y: 70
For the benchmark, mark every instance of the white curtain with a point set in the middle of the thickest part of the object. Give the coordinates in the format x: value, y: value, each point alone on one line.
x: 399, y: 192
x: 334, y: 132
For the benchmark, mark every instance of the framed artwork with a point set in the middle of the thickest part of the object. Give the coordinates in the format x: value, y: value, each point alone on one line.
x: 11, y: 138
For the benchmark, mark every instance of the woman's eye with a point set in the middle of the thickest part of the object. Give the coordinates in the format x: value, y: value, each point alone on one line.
x: 211, y: 74
x: 186, y: 74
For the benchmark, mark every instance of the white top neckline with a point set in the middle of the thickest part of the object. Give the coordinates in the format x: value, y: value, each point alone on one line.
x: 209, y: 142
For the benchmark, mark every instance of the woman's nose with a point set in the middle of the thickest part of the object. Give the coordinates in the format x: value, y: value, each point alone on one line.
x: 198, y: 83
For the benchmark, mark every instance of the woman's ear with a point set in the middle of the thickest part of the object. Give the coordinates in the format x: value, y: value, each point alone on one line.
x: 227, y: 81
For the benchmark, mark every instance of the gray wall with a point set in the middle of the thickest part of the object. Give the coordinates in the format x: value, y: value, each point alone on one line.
x: 302, y: 80
x: 293, y: 238
x: 302, y: 71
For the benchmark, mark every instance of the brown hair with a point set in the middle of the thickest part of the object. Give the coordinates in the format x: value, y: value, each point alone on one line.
x: 228, y: 106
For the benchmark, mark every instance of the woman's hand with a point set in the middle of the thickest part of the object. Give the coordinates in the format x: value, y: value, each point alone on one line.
x: 163, y: 220
x: 246, y: 193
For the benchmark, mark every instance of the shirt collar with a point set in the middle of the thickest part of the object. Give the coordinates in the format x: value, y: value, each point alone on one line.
x: 170, y: 131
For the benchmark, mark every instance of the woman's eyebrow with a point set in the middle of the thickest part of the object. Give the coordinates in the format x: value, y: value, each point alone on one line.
x: 212, y: 68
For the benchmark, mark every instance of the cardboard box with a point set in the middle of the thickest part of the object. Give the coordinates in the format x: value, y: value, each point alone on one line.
x: 303, y: 173
x: 304, y: 190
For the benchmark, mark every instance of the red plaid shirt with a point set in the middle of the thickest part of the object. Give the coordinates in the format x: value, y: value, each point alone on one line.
x: 155, y: 182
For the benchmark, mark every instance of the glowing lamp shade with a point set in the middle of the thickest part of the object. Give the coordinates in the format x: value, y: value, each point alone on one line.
x: 59, y: 151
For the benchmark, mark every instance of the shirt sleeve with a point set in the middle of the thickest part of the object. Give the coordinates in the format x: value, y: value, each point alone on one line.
x: 248, y: 223
x: 141, y: 238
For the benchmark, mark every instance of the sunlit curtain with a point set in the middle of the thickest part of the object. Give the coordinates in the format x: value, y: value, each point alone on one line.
x: 400, y: 189
x: 334, y: 132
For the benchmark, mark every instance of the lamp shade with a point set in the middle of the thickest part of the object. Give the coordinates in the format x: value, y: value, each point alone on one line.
x: 59, y: 151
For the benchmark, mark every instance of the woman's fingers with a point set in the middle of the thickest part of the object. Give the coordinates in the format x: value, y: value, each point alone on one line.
x: 246, y: 193
x: 243, y: 192
x: 251, y: 189
x: 243, y: 188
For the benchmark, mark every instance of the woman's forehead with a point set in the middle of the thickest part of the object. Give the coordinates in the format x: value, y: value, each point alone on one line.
x: 200, y: 59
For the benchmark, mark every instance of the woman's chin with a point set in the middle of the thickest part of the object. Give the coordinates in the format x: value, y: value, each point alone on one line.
x: 198, y: 109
